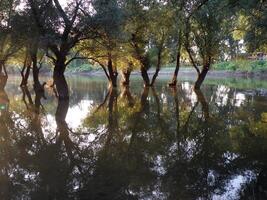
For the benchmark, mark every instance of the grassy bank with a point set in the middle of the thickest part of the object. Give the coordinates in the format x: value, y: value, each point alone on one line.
x: 242, y: 65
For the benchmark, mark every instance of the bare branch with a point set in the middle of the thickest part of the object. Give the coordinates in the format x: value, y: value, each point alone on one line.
x: 103, y: 66
x: 51, y: 57
x: 62, y: 13
x: 75, y: 58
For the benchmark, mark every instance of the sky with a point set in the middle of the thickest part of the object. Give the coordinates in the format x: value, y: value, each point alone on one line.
x: 63, y: 2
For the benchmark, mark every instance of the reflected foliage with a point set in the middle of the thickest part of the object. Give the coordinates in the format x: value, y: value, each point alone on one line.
x: 133, y: 143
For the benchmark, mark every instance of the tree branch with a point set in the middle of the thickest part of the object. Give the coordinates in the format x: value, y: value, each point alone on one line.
x: 103, y: 66
x: 75, y: 58
x: 192, y: 59
x: 51, y: 57
x: 62, y: 13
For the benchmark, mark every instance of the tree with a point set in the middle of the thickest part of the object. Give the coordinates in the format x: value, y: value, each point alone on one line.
x: 105, y: 47
x: 206, y: 29
x: 255, y: 30
x: 9, y: 43
x: 63, y: 29
x: 178, y: 9
x: 160, y: 30
x: 33, y: 46
x: 137, y: 31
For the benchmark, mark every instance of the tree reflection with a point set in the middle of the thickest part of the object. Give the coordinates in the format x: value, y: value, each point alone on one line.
x: 194, y: 159
x: 154, y: 143
x: 4, y: 146
x: 3, y: 80
x: 205, y: 106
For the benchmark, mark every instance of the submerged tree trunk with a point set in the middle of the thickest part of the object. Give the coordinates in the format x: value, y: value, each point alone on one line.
x: 126, y: 77
x: 1, y: 67
x: 25, y: 72
x: 113, y: 79
x: 157, y: 69
x: 3, y: 81
x: 35, y: 72
x: 177, y: 68
x: 144, y: 61
x: 5, y: 71
x: 3, y: 76
x: 202, y: 76
x: 145, y: 77
x: 25, y: 76
x: 178, y: 58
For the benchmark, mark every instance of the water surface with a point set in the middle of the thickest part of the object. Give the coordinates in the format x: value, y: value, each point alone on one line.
x: 135, y: 143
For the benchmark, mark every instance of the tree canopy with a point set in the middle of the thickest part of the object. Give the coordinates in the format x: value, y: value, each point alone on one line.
x: 126, y: 35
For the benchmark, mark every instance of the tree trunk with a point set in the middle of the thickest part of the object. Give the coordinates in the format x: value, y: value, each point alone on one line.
x: 37, y: 100
x: 178, y: 58
x: 112, y: 73
x: 60, y: 65
x: 35, y: 72
x: 176, y: 71
x: 3, y: 76
x: 59, y: 78
x: 3, y: 81
x: 202, y: 76
x: 145, y: 77
x: 144, y: 101
x: 60, y: 81
x: 1, y: 68
x: 5, y: 71
x: 126, y: 77
x: 157, y: 69
x: 113, y: 79
x: 25, y: 77
x: 61, y: 86
x: 61, y: 112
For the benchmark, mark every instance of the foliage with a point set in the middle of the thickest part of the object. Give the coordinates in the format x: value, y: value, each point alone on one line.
x: 242, y: 65
x: 81, y: 68
x: 129, y: 35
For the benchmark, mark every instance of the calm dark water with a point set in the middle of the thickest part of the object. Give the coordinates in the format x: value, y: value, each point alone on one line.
x: 135, y: 143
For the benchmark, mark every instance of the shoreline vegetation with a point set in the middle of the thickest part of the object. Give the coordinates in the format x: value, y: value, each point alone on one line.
x: 234, y: 68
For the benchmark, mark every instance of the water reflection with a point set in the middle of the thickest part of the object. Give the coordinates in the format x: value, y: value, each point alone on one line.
x: 133, y: 143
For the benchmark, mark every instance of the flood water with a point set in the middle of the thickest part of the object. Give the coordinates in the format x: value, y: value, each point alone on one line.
x: 135, y: 143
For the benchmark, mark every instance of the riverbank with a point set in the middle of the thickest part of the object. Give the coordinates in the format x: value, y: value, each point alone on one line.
x: 187, y: 72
